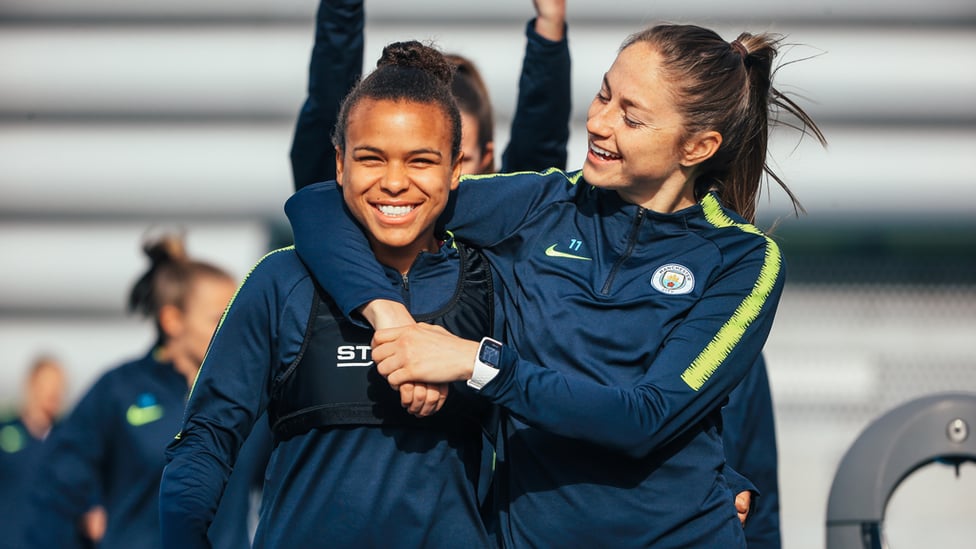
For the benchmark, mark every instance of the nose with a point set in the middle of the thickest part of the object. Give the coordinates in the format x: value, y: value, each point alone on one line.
x: 396, y: 180
x: 597, y: 122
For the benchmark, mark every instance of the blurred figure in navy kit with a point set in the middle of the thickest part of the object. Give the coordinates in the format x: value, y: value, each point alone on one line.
x: 21, y: 438
x: 110, y: 448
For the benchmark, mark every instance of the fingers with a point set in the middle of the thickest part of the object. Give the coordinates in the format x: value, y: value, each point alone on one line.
x: 384, y: 356
x: 388, y: 335
x: 421, y: 399
x: 432, y: 399
x: 396, y: 378
x: 387, y: 344
x: 436, y: 395
x: 743, y: 501
x: 406, y: 394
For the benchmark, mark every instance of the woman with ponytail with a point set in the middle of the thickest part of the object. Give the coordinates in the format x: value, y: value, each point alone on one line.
x: 635, y: 294
x: 110, y: 449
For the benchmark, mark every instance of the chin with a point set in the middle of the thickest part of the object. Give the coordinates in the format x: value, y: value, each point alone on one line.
x: 593, y: 176
x: 588, y: 174
x: 397, y: 241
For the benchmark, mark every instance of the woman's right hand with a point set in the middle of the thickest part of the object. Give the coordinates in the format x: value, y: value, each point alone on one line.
x: 423, y: 399
x: 550, y: 19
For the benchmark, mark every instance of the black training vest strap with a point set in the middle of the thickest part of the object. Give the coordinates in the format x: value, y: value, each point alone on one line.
x: 334, y: 381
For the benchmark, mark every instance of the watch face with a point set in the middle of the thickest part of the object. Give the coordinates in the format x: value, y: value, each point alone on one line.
x: 489, y: 352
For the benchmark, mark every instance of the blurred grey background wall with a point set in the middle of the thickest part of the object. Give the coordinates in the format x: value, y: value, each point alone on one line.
x: 119, y: 119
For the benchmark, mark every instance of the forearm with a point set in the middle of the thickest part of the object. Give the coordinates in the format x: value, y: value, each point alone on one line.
x: 540, y: 126
x: 632, y: 421
x: 638, y: 419
x: 189, y: 495
x: 342, y: 263
x: 335, y: 66
x: 383, y: 313
x: 337, y: 55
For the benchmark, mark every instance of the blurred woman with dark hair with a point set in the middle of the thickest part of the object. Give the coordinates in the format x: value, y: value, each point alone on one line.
x: 110, y: 449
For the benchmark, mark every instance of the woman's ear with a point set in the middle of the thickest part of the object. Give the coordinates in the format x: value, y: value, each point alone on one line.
x: 487, y: 158
x: 338, y: 153
x: 700, y: 148
x: 171, y: 320
x: 456, y: 171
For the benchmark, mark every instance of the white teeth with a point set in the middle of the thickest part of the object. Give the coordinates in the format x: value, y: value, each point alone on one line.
x: 603, y: 153
x: 395, y: 211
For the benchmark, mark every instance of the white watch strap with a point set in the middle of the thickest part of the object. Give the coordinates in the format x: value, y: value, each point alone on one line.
x: 483, y: 372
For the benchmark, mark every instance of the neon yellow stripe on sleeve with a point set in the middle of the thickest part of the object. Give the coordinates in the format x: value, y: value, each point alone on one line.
x: 572, y: 177
x: 729, y: 335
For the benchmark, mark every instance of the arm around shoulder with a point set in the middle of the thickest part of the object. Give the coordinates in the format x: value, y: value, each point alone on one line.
x: 335, y: 250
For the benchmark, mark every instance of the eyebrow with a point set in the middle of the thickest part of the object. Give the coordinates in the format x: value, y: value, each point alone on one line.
x: 625, y: 101
x: 378, y: 150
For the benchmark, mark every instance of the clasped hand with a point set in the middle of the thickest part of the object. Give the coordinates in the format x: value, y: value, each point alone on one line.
x: 419, y: 361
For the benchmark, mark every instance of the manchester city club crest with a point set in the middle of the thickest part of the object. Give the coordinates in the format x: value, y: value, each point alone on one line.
x: 673, y: 279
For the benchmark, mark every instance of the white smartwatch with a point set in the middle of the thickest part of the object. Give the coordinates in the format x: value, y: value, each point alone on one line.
x: 485, y: 363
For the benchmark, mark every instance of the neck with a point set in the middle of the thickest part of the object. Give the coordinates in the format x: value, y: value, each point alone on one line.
x: 401, y: 258
x: 668, y: 196
x: 38, y: 423
x: 183, y: 364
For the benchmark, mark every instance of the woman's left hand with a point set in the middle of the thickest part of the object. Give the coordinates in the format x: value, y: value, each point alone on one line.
x: 743, y: 502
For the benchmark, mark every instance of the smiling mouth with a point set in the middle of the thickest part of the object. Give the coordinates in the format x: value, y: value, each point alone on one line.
x: 603, y: 153
x: 399, y: 210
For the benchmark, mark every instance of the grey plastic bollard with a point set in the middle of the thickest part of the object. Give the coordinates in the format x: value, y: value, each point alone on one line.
x: 936, y: 427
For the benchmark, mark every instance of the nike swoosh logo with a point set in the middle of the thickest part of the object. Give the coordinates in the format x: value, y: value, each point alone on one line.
x: 137, y: 416
x: 11, y: 439
x: 552, y: 252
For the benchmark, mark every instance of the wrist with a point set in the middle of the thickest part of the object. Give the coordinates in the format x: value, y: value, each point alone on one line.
x: 383, y: 313
x: 550, y: 28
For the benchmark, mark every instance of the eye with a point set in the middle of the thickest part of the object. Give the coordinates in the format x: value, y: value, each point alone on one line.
x: 631, y: 123
x: 602, y: 96
x: 368, y: 159
x: 423, y: 161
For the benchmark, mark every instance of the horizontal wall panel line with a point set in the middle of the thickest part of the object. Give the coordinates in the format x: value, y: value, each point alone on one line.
x: 451, y: 10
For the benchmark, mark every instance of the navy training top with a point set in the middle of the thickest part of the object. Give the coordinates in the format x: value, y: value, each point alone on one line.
x: 351, y: 486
